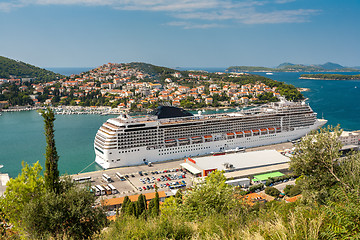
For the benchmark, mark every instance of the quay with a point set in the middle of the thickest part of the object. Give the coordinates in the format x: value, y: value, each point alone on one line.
x: 135, y: 174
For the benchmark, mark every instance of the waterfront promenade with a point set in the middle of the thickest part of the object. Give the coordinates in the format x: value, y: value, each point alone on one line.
x: 67, y: 110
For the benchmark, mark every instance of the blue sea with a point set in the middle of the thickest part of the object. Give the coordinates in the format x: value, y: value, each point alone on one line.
x: 69, y: 71
x: 22, y: 135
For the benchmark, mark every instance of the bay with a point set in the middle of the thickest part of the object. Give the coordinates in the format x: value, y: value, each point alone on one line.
x: 338, y: 101
x: 22, y: 135
x: 67, y: 71
x: 22, y: 139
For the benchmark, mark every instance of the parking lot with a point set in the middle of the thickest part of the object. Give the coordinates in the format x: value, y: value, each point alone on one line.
x: 141, y: 179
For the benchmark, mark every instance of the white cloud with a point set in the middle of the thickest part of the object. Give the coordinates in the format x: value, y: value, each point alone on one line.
x: 283, y: 1
x: 211, y: 13
x: 285, y: 16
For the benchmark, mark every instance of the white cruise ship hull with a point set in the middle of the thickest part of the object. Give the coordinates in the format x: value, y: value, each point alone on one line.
x: 115, y: 158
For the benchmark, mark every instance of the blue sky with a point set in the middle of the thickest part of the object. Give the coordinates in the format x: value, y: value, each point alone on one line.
x: 180, y: 33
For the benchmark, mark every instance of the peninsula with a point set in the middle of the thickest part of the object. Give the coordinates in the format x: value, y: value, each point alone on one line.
x: 330, y: 77
x: 290, y: 67
x: 140, y: 87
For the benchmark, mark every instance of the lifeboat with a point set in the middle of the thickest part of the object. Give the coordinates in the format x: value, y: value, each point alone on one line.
x: 239, y: 134
x: 230, y: 135
x: 170, y: 142
x: 247, y: 133
x: 255, y: 132
x: 196, y: 139
x: 263, y: 131
x: 278, y: 129
x: 183, y: 139
x: 271, y: 130
x: 208, y: 138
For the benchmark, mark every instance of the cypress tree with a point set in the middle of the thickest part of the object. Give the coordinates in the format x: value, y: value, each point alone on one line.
x: 131, y: 209
x: 151, y: 207
x: 141, y: 204
x: 51, y: 157
x: 157, y: 204
x: 125, y: 204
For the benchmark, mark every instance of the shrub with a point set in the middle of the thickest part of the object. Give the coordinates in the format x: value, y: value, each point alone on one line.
x: 256, y: 187
x: 296, y: 190
x: 287, y: 189
x: 272, y: 191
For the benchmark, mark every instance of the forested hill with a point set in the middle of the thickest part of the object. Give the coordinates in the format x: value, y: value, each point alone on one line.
x: 17, y: 69
x: 290, y: 67
x: 152, y: 70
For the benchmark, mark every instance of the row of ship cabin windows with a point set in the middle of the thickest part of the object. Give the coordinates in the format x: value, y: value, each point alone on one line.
x: 132, y: 150
x: 186, y: 150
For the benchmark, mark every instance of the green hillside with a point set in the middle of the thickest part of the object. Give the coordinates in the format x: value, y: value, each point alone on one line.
x: 17, y: 69
x: 248, y: 69
x: 290, y: 67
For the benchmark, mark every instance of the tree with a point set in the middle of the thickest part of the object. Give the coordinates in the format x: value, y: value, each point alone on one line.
x: 70, y: 213
x: 272, y: 191
x: 130, y: 209
x: 141, y: 205
x: 125, y: 204
x: 156, y: 208
x: 211, y: 196
x: 179, y: 196
x: 287, y: 189
x: 51, y: 157
x: 27, y: 186
x: 316, y: 159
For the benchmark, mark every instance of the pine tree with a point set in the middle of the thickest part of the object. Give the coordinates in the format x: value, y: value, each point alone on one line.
x: 51, y: 157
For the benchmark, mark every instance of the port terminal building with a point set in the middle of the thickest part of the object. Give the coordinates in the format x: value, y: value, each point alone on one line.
x: 238, y: 164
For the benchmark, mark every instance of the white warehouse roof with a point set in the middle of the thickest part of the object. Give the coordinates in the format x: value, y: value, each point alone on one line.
x: 240, y: 161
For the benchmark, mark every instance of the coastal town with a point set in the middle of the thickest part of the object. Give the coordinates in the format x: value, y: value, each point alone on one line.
x: 122, y: 87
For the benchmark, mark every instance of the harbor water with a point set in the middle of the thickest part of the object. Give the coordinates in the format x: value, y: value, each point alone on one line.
x: 22, y: 135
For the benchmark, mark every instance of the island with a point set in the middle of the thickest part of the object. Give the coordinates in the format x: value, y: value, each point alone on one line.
x: 330, y: 77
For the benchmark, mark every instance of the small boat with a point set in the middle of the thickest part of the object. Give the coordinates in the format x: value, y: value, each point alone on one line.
x: 269, y: 73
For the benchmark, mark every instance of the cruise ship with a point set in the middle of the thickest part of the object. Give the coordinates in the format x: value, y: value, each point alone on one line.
x: 173, y: 133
